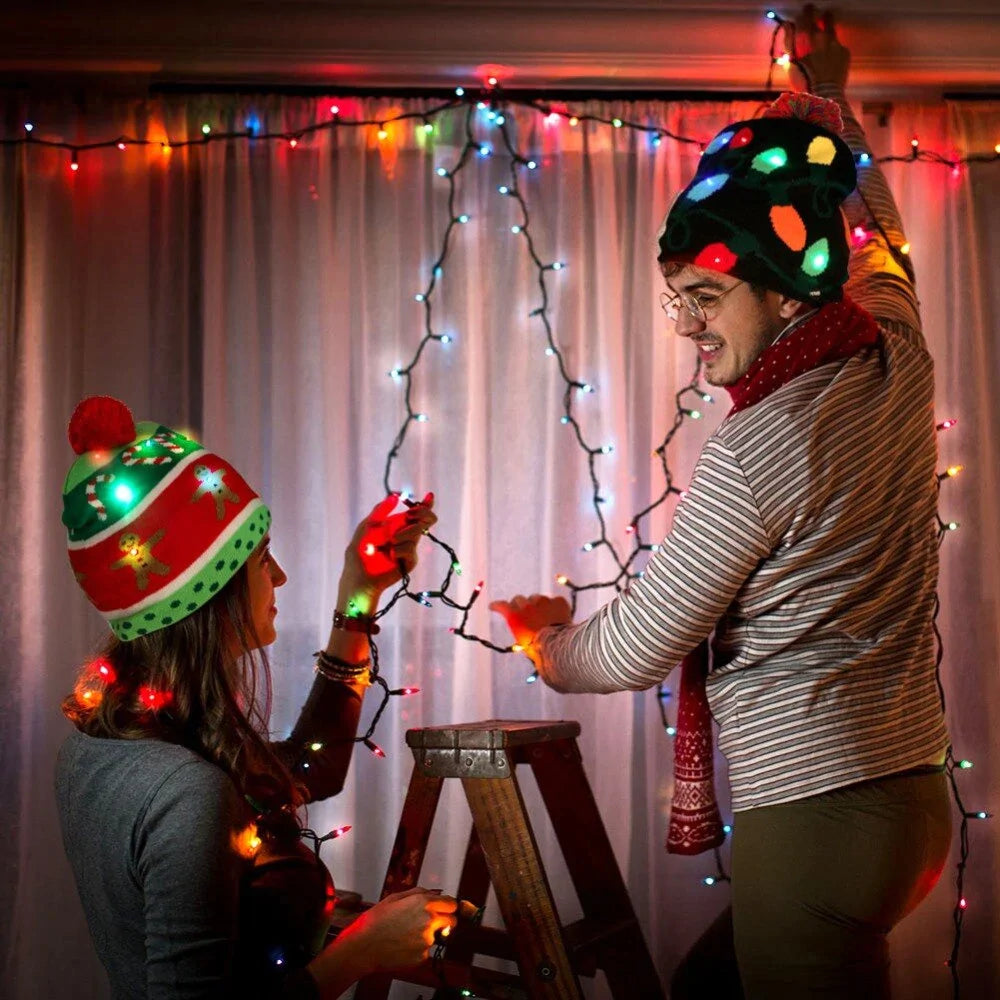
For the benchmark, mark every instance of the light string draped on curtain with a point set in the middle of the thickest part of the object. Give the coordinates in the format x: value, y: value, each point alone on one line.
x: 260, y: 294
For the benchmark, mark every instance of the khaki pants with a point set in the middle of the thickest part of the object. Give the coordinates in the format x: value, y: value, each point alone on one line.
x: 817, y: 886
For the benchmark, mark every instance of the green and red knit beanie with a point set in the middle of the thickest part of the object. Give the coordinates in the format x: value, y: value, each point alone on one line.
x: 157, y: 524
x: 764, y: 203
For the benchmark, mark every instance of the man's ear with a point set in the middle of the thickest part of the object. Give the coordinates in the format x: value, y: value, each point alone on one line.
x: 788, y: 307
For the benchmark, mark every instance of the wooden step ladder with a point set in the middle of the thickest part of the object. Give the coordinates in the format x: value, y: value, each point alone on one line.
x: 502, y: 851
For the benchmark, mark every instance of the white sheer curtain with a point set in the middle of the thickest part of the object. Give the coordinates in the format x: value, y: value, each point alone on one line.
x: 259, y: 294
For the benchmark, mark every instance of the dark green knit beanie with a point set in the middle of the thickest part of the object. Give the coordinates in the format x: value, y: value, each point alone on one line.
x: 764, y: 204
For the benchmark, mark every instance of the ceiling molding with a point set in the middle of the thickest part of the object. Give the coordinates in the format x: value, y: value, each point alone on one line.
x: 902, y: 49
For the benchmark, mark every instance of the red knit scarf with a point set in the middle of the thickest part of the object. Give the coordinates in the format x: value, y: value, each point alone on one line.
x: 835, y: 331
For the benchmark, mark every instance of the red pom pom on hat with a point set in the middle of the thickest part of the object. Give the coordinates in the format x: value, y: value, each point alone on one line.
x: 100, y: 423
x: 808, y: 108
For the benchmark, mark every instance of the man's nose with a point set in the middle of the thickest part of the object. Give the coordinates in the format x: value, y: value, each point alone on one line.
x: 686, y: 324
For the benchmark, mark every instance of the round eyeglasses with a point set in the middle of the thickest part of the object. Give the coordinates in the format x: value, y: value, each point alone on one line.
x: 699, y: 306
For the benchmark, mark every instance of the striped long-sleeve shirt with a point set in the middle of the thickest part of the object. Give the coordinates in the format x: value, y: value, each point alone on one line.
x: 807, y: 540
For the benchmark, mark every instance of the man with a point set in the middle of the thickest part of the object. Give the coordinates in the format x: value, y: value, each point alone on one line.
x: 806, y: 542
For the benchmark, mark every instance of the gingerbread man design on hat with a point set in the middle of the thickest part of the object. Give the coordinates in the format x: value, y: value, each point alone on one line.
x: 139, y: 557
x: 212, y: 485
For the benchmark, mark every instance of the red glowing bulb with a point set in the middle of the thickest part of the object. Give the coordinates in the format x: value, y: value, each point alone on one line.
x: 153, y: 699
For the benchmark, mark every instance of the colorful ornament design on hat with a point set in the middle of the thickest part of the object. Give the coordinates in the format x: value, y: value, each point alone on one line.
x: 709, y: 186
x: 789, y: 226
x: 741, y: 138
x: 817, y: 258
x: 716, y: 257
x: 769, y: 159
x: 821, y: 150
x: 718, y: 142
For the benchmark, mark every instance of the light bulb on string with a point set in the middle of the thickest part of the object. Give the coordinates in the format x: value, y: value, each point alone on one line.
x: 29, y: 127
x: 374, y: 747
x: 121, y: 145
x: 947, y: 424
x: 334, y: 110
x: 460, y: 91
x: 74, y: 162
x: 784, y: 60
x: 965, y: 764
x: 574, y: 121
x: 206, y: 129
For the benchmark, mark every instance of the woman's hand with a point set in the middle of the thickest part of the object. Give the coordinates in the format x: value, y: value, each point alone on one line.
x: 396, y: 933
x: 818, y: 55
x: 384, y: 545
x: 400, y: 930
x: 525, y: 616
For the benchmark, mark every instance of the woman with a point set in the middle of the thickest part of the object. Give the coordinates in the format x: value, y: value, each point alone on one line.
x: 179, y: 818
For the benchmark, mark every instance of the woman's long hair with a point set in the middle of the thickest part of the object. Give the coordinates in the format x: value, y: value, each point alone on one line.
x: 183, y: 684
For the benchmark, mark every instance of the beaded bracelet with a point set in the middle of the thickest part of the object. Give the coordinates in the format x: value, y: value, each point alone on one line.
x: 333, y: 668
x: 355, y: 623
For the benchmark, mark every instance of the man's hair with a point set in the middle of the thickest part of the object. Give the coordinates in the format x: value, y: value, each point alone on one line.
x: 670, y: 268
x: 205, y: 698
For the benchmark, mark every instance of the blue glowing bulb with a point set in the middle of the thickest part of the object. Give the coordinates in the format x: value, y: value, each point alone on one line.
x: 515, y: 229
x: 29, y: 127
x: 671, y: 730
x: 771, y: 15
x: 441, y: 172
x: 480, y: 105
x: 491, y: 114
x: 607, y: 449
x: 531, y: 678
x: 445, y: 338
x: 617, y: 122
x: 558, y: 265
x: 420, y: 296
x: 420, y: 417
x: 485, y: 149
x: 460, y: 91
x: 500, y: 119
x: 727, y: 829
x: 864, y: 158
x: 549, y: 352
x: 709, y: 880
x: 124, y: 493
x: 438, y: 271
x: 463, y: 218
x: 588, y: 546
x: 707, y: 187
x: 503, y: 189
x: 532, y: 164
x: 564, y: 420
x: 586, y: 387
